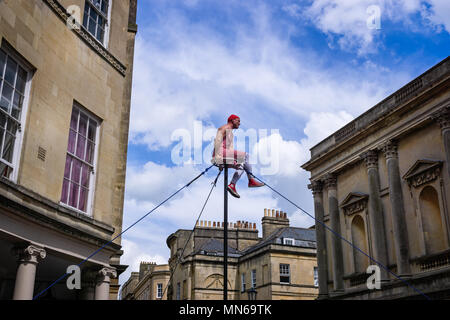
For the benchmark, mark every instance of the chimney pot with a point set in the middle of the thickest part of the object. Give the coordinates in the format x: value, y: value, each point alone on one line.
x: 265, y: 212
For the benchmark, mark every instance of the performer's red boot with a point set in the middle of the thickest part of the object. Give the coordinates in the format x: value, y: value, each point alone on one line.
x: 232, y: 189
x: 252, y: 183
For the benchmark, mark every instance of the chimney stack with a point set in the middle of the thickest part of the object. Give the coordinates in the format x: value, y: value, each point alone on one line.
x: 273, y: 220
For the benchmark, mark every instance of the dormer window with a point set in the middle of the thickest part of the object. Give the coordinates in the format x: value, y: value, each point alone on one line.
x: 288, y: 241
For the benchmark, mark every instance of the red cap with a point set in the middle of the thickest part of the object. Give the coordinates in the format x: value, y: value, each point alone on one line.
x: 232, y: 117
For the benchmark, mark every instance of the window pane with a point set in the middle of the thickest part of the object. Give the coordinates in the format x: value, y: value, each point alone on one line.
x: 11, y: 126
x: 73, y: 195
x: 83, y: 124
x: 100, y: 34
x: 2, y: 62
x: 76, y: 170
x: 72, y: 138
x: 85, y: 176
x: 93, y: 15
x: 91, y: 131
x: 6, y: 97
x: 92, y: 26
x: 74, y: 120
x: 2, y: 121
x: 105, y: 6
x: 10, y: 74
x: 89, y: 153
x: 65, y: 191
x: 17, y: 105
x: 21, y: 80
x: 8, y: 145
x: 81, y: 144
x: 67, y: 167
x: 83, y: 199
x: 2, y: 133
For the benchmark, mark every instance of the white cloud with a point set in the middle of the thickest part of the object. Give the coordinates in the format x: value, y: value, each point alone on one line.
x: 186, y: 72
x: 439, y: 13
x: 133, y: 255
x: 346, y: 21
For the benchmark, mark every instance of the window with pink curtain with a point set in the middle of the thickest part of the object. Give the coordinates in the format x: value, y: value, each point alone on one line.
x: 79, y: 160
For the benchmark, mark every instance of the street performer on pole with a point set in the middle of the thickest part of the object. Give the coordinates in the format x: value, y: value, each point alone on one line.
x: 223, y: 148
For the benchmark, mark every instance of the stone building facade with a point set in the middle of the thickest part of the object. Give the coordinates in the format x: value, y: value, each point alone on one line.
x: 383, y: 183
x: 281, y: 265
x: 65, y: 85
x: 150, y: 283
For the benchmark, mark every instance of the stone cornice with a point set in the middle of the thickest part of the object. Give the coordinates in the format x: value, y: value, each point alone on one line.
x: 42, y: 210
x: 381, y: 115
x: 84, y: 35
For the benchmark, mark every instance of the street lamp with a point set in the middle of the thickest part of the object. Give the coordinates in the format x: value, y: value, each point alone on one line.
x: 252, y: 294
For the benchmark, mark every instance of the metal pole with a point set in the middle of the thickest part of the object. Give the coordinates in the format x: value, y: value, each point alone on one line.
x: 225, y: 235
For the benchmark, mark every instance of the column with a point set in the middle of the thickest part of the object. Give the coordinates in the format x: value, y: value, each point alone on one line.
x: 336, y: 243
x: 102, y: 283
x: 376, y: 213
x: 398, y: 209
x: 322, y: 260
x: 443, y: 118
x: 28, y: 258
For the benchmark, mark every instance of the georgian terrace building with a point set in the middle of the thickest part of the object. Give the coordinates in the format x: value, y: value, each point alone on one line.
x: 383, y: 183
x: 64, y: 110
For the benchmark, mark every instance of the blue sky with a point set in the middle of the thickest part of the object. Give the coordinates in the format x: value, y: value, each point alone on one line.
x: 299, y: 69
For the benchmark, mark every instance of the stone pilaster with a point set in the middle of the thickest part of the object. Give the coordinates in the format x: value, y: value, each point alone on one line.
x: 102, y: 283
x: 376, y: 215
x: 398, y: 209
x: 322, y: 259
x: 28, y: 258
x: 337, y: 255
x: 443, y: 118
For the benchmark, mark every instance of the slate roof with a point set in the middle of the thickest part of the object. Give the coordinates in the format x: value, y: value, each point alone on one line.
x: 214, y: 247
x: 303, y: 238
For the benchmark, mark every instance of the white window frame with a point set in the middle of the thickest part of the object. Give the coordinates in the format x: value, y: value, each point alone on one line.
x: 178, y: 291
x: 287, y: 240
x: 243, y: 284
x: 316, y: 277
x: 254, y: 278
x: 18, y: 143
x: 284, y: 274
x: 92, y: 179
x: 159, y: 290
x: 105, y: 42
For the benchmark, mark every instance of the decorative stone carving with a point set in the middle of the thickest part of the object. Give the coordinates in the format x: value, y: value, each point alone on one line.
x: 331, y: 181
x: 422, y: 172
x: 107, y: 272
x: 390, y: 149
x: 442, y: 117
x: 354, y: 202
x: 31, y: 253
x: 371, y: 158
x: 316, y: 187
